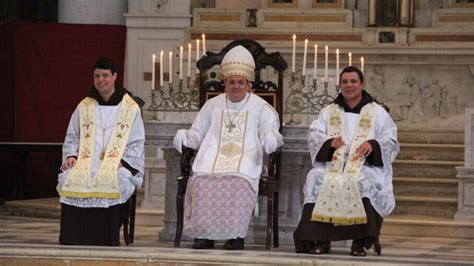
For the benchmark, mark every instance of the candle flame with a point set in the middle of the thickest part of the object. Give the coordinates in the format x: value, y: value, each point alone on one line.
x: 337, y: 51
x: 362, y: 59
x: 154, y: 57
x: 161, y: 54
x: 326, y: 48
x: 305, y: 41
x: 294, y: 37
x: 189, y: 45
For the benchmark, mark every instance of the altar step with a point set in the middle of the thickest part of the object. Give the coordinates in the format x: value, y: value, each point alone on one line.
x: 426, y: 168
x: 51, y: 208
x: 426, y: 205
x: 427, y: 226
x: 434, y: 187
x: 431, y: 136
x: 429, y: 151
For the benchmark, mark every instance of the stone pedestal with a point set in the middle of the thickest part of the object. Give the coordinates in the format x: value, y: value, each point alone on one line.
x: 466, y: 173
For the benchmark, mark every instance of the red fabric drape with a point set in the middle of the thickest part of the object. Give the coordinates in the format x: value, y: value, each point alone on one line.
x: 45, y: 71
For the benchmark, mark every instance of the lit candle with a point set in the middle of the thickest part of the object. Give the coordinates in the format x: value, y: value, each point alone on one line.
x: 362, y: 64
x: 203, y: 44
x: 326, y: 64
x: 161, y: 68
x: 304, y: 56
x: 197, y: 54
x: 350, y: 59
x: 293, y: 54
x: 315, y: 67
x: 188, y: 74
x: 337, y: 67
x: 153, y: 73
x: 171, y: 67
x: 181, y: 62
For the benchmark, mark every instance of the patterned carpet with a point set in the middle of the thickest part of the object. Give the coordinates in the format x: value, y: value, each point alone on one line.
x: 29, y: 241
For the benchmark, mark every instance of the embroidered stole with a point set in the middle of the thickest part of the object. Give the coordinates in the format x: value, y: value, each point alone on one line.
x: 79, y: 182
x: 230, y: 149
x: 339, y: 201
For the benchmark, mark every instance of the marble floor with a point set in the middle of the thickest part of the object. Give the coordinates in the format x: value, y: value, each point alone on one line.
x: 33, y: 241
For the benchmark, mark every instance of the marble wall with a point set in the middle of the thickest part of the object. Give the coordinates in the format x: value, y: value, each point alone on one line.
x: 422, y: 73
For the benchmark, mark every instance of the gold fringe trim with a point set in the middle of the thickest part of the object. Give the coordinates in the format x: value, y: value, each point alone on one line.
x: 338, y: 220
x: 105, y: 195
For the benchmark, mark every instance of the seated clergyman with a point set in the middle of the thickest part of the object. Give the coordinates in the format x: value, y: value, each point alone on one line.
x: 353, y: 144
x: 231, y: 131
x: 103, y: 158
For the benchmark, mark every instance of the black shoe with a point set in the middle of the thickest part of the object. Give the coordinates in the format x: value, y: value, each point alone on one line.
x: 203, y: 244
x: 357, y: 248
x: 321, y: 247
x: 234, y: 244
x: 304, y: 246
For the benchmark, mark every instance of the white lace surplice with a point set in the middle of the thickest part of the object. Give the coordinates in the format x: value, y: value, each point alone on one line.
x: 374, y: 182
x: 133, y: 155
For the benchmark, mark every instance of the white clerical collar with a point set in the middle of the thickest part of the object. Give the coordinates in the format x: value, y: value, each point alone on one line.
x: 237, y: 105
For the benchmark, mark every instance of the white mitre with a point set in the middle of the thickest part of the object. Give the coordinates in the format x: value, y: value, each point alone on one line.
x: 238, y: 61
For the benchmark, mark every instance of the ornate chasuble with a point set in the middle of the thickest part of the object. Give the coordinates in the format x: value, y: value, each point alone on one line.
x: 339, y: 201
x: 230, y: 149
x: 79, y: 182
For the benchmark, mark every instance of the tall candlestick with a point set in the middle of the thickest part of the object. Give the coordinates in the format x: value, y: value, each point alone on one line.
x: 293, y: 54
x: 181, y: 62
x: 153, y: 73
x: 161, y: 68
x: 197, y: 54
x: 350, y: 59
x: 203, y: 44
x: 326, y: 64
x: 337, y: 67
x: 188, y: 74
x: 315, y: 67
x: 171, y: 67
x: 304, y: 56
x: 362, y: 64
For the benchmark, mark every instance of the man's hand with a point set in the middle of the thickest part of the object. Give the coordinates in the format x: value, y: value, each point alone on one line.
x: 337, y: 142
x: 69, y: 163
x: 365, y: 149
x: 179, y: 138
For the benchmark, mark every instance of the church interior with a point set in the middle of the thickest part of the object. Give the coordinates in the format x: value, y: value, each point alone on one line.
x: 417, y: 57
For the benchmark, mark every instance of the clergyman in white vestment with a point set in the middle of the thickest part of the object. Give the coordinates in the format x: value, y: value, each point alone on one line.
x: 231, y: 132
x: 349, y: 191
x: 103, y: 162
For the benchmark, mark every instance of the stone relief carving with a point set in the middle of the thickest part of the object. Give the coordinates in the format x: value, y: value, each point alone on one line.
x: 377, y: 83
x: 415, y: 110
x: 419, y: 104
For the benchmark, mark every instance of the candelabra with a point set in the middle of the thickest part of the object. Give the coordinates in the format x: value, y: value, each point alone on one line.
x: 183, y: 98
x: 307, y: 98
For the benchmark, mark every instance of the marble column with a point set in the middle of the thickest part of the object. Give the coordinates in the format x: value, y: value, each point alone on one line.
x: 372, y: 13
x: 152, y: 26
x: 465, y: 173
x: 92, y: 11
x: 403, y: 19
